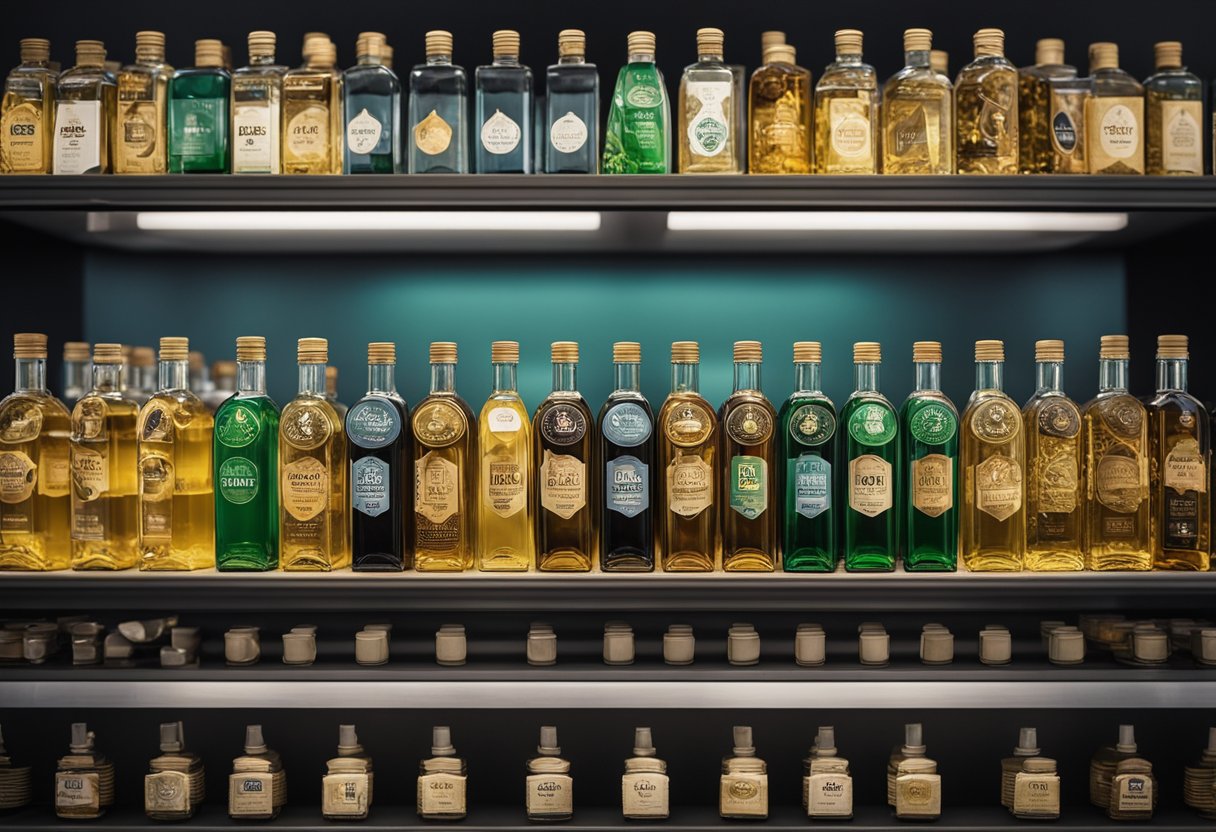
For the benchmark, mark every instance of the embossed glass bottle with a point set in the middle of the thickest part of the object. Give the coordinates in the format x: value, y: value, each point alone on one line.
x: 645, y: 786
x: 749, y: 451
x: 636, y: 139
x: 846, y: 111
x: 707, y: 128
x: 1051, y: 113
x: 199, y: 98
x: 27, y: 111
x: 807, y: 430
x: 928, y: 423
x: 505, y: 511
x: 314, y: 516
x: 257, y: 109
x: 175, y: 785
x: 1173, y: 115
x: 257, y: 787
x: 312, y: 112
x: 504, y: 110
x: 34, y: 467
x: 445, y: 472
x: 140, y: 138
x: 86, y: 97
x: 437, y: 104
x: 870, y: 457
x: 779, y: 114
x: 1114, y: 115
x: 371, y: 103
x: 563, y: 430
x: 626, y: 451
x: 443, y: 780
x: 986, y: 109
x: 918, y: 113
x: 572, y: 108
x: 1055, y: 523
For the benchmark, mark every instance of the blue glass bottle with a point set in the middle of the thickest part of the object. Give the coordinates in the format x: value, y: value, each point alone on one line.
x: 572, y: 108
x: 504, y: 110
x: 371, y: 99
x: 438, y: 93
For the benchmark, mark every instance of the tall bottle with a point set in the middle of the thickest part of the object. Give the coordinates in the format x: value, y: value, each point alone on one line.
x: 443, y: 780
x: 707, y: 129
x: 1051, y: 113
x: 246, y: 468
x: 929, y: 488
x: 913, y: 748
x: 176, y: 497
x: 808, y: 448
x: 1055, y: 522
x: 645, y: 792
x: 1114, y: 433
x: 257, y: 109
x: 84, y: 780
x: 378, y: 430
x: 371, y: 103
x: 626, y: 451
x: 35, y: 474
x: 445, y: 474
x: 870, y: 455
x: 257, y: 787
x: 1180, y: 480
x: 689, y: 537
x: 550, y: 788
x: 637, y: 139
x: 312, y: 112
x: 572, y: 108
x: 314, y: 517
x: 846, y: 111
x: 346, y: 787
x: 86, y: 98
x: 77, y: 371
x: 779, y: 114
x: 1173, y: 115
x: 437, y: 104
x: 563, y: 431
x: 27, y: 111
x: 1114, y: 115
x: 986, y: 109
x: 827, y: 786
x: 141, y: 131
x: 198, y: 113
x: 749, y: 450
x: 174, y: 787
x: 504, y: 110
x: 918, y: 113
x: 505, y: 512
x: 743, y: 786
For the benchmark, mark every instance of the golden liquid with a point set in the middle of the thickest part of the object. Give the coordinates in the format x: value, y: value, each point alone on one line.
x: 505, y: 544
x: 312, y: 116
x: 139, y: 130
x: 986, y: 116
x: 34, y: 526
x: 21, y: 114
x: 317, y: 542
x: 565, y: 544
x: 846, y: 121
x: 692, y: 109
x: 1118, y: 529
x: 1170, y: 427
x: 779, y: 120
x: 107, y: 94
x: 105, y: 482
x: 917, y: 124
x: 444, y: 543
x: 176, y: 498
x: 688, y: 544
x: 749, y: 545
x: 1054, y: 518
x: 992, y: 542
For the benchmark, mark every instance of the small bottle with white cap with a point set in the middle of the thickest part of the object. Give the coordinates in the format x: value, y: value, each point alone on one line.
x: 257, y: 787
x: 827, y: 786
x: 644, y: 786
x: 442, y: 780
x: 550, y: 788
x: 174, y: 784
x: 346, y: 788
x: 743, y: 788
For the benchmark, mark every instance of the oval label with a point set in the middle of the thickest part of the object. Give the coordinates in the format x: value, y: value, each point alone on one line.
x: 812, y: 424
x: 749, y: 424
x: 439, y: 423
x: 627, y: 424
x: 237, y: 426
x: 933, y: 424
x: 563, y: 424
x: 373, y: 423
x: 872, y: 424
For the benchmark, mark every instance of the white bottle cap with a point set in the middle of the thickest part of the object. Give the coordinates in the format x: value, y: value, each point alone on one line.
x: 825, y: 742
x: 348, y: 741
x: 254, y: 743
x: 82, y: 738
x: 441, y: 742
x: 1127, y: 739
x: 643, y: 743
x: 172, y: 737
x: 743, y: 741
x: 914, y: 739
x: 548, y: 741
x: 1028, y: 743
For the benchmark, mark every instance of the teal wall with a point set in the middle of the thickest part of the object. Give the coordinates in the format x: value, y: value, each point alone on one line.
x: 136, y: 299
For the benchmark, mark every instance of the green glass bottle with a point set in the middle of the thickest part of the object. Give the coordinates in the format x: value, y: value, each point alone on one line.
x: 637, y: 140
x: 246, y: 468
x: 198, y: 113
x: 870, y: 457
x: 808, y: 448
x: 928, y: 489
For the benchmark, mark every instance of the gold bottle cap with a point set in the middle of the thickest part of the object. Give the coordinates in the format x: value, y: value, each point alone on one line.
x: 748, y: 352
x: 150, y: 45
x: 710, y: 41
x: 443, y: 352
x: 438, y: 42
x: 90, y: 53
x: 1172, y: 346
x: 251, y: 348
x: 989, y: 42
x: 927, y: 352
x: 29, y: 345
x: 174, y: 349
x: 261, y: 44
x: 370, y: 45
x: 1168, y: 54
x: 685, y: 352
x: 848, y: 41
x: 107, y: 354
x: 564, y: 352
x: 325, y: 56
x: 781, y: 53
x: 1049, y: 350
x: 35, y: 50
x: 918, y: 40
x: 76, y: 351
x: 627, y: 352
x: 313, y: 41
x: 1115, y: 347
x: 641, y: 43
x: 505, y: 43
x: 504, y: 352
x: 223, y: 369
x: 571, y: 43
x: 808, y: 352
x: 312, y: 351
x: 143, y: 357
x: 1103, y: 56
x: 1048, y: 51
x: 381, y: 352
x: 867, y: 352
x: 989, y: 350
x: 208, y: 52
x: 771, y: 38
x: 939, y: 61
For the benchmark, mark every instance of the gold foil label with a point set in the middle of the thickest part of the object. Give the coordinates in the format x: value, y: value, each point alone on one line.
x: 749, y: 425
x: 167, y: 791
x: 1036, y: 794
x: 550, y: 794
x: 1114, y: 128
x: 20, y: 422
x: 1118, y: 483
x: 1182, y: 137
x: 90, y: 474
x: 251, y: 794
x: 996, y: 421
x: 1185, y: 469
x: 18, y: 476
x: 933, y: 484
x: 998, y: 486
x: 307, y: 135
x: 138, y: 136
x: 829, y: 795
x: 918, y: 795
x: 442, y: 794
x: 344, y: 794
x: 305, y: 488
x: 645, y: 794
x: 1058, y: 480
x: 688, y: 424
x: 22, y: 139
x: 77, y: 790
x: 432, y: 135
x: 436, y: 488
x: 305, y: 425
x: 439, y: 423
x: 503, y: 487
x: 743, y: 794
x: 849, y: 130
x: 690, y: 485
x: 870, y: 486
x: 563, y: 484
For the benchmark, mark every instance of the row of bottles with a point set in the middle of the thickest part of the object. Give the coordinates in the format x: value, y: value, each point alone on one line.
x: 1115, y: 485
x: 316, y: 119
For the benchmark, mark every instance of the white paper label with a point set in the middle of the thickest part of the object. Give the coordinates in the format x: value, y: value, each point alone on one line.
x: 77, y: 136
x: 550, y: 794
x: 709, y: 130
x: 500, y: 134
x: 441, y: 794
x: 644, y: 794
x: 1181, y: 136
x: 363, y: 133
x: 504, y: 420
x: 255, y: 144
x: 829, y: 795
x: 568, y: 133
x: 76, y: 790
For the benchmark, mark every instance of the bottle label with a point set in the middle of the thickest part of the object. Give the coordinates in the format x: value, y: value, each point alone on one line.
x: 137, y: 142
x: 439, y: 423
x: 371, y: 489
x: 255, y: 146
x: 1059, y: 418
x: 744, y: 794
x: 933, y: 484
x: 1133, y: 793
x: 373, y: 424
x: 20, y: 422
x: 77, y: 790
x: 910, y: 133
x: 568, y: 134
x: 504, y: 487
x: 305, y: 488
x: 872, y: 425
x: 1063, y: 132
x: 870, y: 486
x: 238, y: 480
x: 645, y: 795
x: 933, y: 424
x: 167, y: 791
x: 550, y: 794
x: 996, y: 421
x: 810, y: 481
x: 708, y: 132
x: 196, y: 125
x: 998, y: 486
x: 500, y: 134
x: 749, y: 425
x: 504, y: 420
x: 563, y: 484
x: 1118, y: 483
x: 627, y: 485
x: 307, y: 135
x: 748, y: 485
x: 1184, y: 476
x: 918, y: 795
x: 237, y: 426
x: 344, y: 794
x: 363, y: 133
x: 689, y: 424
x: 829, y: 795
x: 1113, y: 127
x: 78, y: 137
x: 849, y: 123
x: 250, y: 794
x: 644, y: 95
x: 690, y: 485
x: 812, y: 425
x: 1058, y: 480
x: 90, y: 474
x: 627, y: 425
x: 1182, y: 137
x: 156, y: 425
x: 1124, y: 416
x: 1184, y: 469
x: 563, y: 424
x: 432, y: 135
x: 436, y: 488
x: 21, y: 142
x: 18, y: 476
x: 306, y: 425
x: 442, y: 794
x: 156, y: 484
x: 1036, y: 794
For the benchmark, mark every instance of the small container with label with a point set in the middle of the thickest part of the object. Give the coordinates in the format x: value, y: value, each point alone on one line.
x: 346, y: 788
x: 1133, y: 791
x: 743, y: 788
x: 827, y: 786
x: 679, y: 644
x: 84, y: 783
x: 913, y: 747
x: 257, y: 787
x: 618, y: 644
x: 542, y: 645
x: 173, y: 786
x: 743, y: 645
x: 1036, y: 790
x: 550, y: 788
x: 644, y: 786
x: 442, y: 780
x: 918, y: 790
x: 15, y: 786
x: 1028, y: 746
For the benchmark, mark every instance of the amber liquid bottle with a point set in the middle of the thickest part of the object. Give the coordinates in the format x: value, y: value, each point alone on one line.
x: 505, y: 512
x: 1114, y: 115
x: 986, y: 109
x: 749, y: 452
x: 140, y: 123
x: 779, y: 114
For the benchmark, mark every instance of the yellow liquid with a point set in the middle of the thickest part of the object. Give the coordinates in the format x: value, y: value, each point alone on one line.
x: 1055, y: 523
x: 749, y: 544
x: 505, y: 514
x: 917, y: 124
x: 34, y: 515
x: 1118, y: 533
x: 27, y: 123
x: 105, y: 482
x: 139, y: 120
x: 314, y: 516
x: 1181, y: 459
x: 688, y: 538
x: 992, y: 527
x: 312, y: 130
x: 445, y: 485
x: 779, y: 120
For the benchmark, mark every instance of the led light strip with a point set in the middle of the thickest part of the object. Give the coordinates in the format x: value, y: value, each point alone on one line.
x: 933, y: 222
x: 312, y: 222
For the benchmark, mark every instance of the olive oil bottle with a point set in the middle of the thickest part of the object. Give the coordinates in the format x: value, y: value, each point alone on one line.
x: 807, y: 430
x: 870, y: 455
x: 749, y: 451
x: 626, y: 453
x: 505, y: 507
x: 929, y: 488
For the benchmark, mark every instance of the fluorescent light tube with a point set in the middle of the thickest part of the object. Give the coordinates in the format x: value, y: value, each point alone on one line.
x: 930, y: 221
x: 312, y: 222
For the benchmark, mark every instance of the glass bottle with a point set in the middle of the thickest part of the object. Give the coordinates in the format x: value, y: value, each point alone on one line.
x: 636, y: 139
x: 1036, y: 790
x: 1173, y: 115
x: 564, y: 439
x: 313, y: 518
x: 504, y: 110
x: 1051, y: 113
x: 27, y: 111
x: 645, y: 785
x: 176, y: 497
x: 827, y: 786
x: 438, y: 92
x: 1114, y: 433
x: 986, y: 109
x: 928, y: 421
x: 246, y: 468
x: 1114, y: 115
x: 84, y: 780
x: 870, y: 453
x: 743, y: 786
x: 257, y: 109
x: 445, y: 479
x: 918, y: 790
x: 1027, y: 747
x: 550, y: 788
x: 779, y: 114
x: 140, y: 144
x: 1105, y: 761
x: 572, y: 108
x: 1054, y: 520
x: 378, y: 430
x: 86, y: 97
x: 626, y: 450
x: 443, y: 780
x: 749, y: 449
x: 505, y: 515
x: 174, y: 787
x: 346, y: 787
x: 707, y: 134
x: 688, y: 532
x: 257, y: 787
x: 331, y: 391
x: 312, y: 112
x: 846, y: 111
x: 918, y: 113
x: 808, y: 446
x: 1178, y: 467
x: 371, y: 102
x: 993, y: 465
x: 77, y: 371
x: 142, y: 373
x: 198, y: 113
x: 34, y: 466
x: 105, y: 487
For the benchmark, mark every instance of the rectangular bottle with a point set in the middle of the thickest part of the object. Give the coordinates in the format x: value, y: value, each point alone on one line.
x: 371, y: 103
x: 928, y: 422
x: 986, y: 109
x: 779, y: 114
x: 505, y: 512
x: 846, y: 111
x: 257, y: 787
x: 312, y: 112
x: 84, y: 780
x: 549, y: 786
x: 314, y: 516
x: 198, y: 113
x: 35, y: 473
x: 174, y: 787
x: 438, y: 100
x: 1114, y: 115
x: 637, y: 139
x: 626, y: 451
x: 346, y: 787
x: 27, y: 111
x: 743, y: 786
x: 504, y: 110
x: 707, y: 129
x: 564, y: 438
x: 176, y: 497
x: 918, y: 113
x: 443, y: 780
x: 749, y: 450
x: 572, y: 108
x: 1036, y: 790
x: 870, y: 457
x: 827, y: 786
x: 645, y: 792
x: 1173, y: 114
x: 257, y: 109
x: 1051, y: 113
x: 85, y: 101
x: 808, y: 449
x: 141, y: 131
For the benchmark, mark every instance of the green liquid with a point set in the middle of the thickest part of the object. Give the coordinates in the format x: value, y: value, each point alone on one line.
x: 929, y: 543
x: 870, y: 542
x: 247, y: 485
x: 637, y: 139
x: 809, y: 485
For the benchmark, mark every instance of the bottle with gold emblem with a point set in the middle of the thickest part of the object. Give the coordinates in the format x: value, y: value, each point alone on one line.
x: 918, y: 113
x: 140, y: 144
x: 807, y: 427
x: 437, y: 109
x: 929, y: 488
x: 314, y: 517
x: 749, y: 451
x: 779, y: 112
x: 986, y: 109
x: 312, y: 112
x: 1051, y: 112
x: 846, y: 111
x: 505, y: 513
x: 174, y: 787
x: 27, y: 111
x: 1114, y: 115
x: 870, y: 456
x: 1173, y: 115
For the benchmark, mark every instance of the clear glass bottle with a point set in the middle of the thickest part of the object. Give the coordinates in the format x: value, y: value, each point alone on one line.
x: 1178, y: 467
x: 257, y: 787
x: 637, y: 138
x: 870, y: 455
x: 77, y: 371
x: 84, y: 780
x: 779, y: 114
x: 86, y: 98
x: 505, y: 512
x: 312, y: 112
x: 1051, y: 114
x: 827, y: 786
x: 1055, y: 523
x: 504, y: 110
x: 549, y: 786
x: 371, y: 103
x: 563, y: 431
x: 1114, y: 115
x: 707, y: 134
x: 572, y: 108
x: 35, y: 473
x: 1173, y: 115
x: 174, y: 787
x: 939, y: 62
x: 199, y: 97
x: 645, y: 793
x: 443, y: 780
x: 314, y: 518
x: 257, y: 109
x: 437, y: 105
x: 141, y: 373
x: 27, y: 111
x: 993, y: 465
x: 346, y: 787
x: 928, y: 422
x: 743, y: 786
x: 140, y: 130
x: 750, y: 542
x: 1114, y: 433
x: 807, y: 433
x: 918, y: 113
x: 445, y: 476
x: 986, y: 109
x: 847, y: 111
x: 1027, y: 747
x: 176, y: 497
x: 626, y: 451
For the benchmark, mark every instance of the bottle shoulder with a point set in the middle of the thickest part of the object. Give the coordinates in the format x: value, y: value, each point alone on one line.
x: 860, y: 398
x: 849, y: 76
x: 1111, y: 399
x: 1175, y: 83
x: 622, y: 397
x: 1177, y: 401
x: 917, y: 81
x: 801, y: 397
x: 113, y: 403
x: 1115, y: 83
x: 1048, y: 72
x: 1048, y: 398
x: 919, y: 400
x: 47, y: 404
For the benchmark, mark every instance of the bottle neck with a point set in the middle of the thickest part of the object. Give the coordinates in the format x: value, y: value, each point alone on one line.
x: 628, y: 377
x: 807, y: 376
x: 641, y: 57
x: 990, y: 375
x: 928, y: 377
x: 312, y: 379
x: 438, y: 60
x: 443, y: 378
x: 709, y: 58
x: 851, y: 58
x: 572, y: 59
x: 174, y: 375
x: 1112, y: 374
x: 505, y: 376
x: 917, y: 57
x: 107, y: 378
x: 31, y: 375
x: 747, y: 376
x: 382, y: 378
x: 370, y: 60
x: 261, y: 60
x: 1171, y: 374
x: 865, y: 377
x: 565, y: 377
x: 685, y: 378
x: 251, y: 377
x: 75, y: 373
x: 506, y: 60
x: 1049, y: 376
